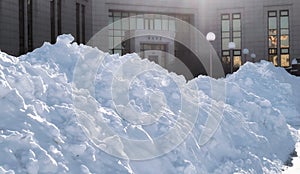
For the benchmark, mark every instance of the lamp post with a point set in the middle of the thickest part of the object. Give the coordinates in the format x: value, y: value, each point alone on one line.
x: 245, y: 53
x: 253, y: 56
x: 231, y: 46
x: 210, y: 37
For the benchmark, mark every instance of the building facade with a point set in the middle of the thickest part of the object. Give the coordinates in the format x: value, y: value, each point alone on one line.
x: 27, y: 24
x: 267, y: 28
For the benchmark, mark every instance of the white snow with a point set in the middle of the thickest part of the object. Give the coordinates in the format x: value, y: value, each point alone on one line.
x: 69, y: 108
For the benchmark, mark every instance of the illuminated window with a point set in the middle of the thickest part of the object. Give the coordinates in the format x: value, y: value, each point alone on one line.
x: 278, y: 36
x: 231, y: 31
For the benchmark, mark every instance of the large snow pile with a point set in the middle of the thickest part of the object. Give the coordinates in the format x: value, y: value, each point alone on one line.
x: 49, y: 99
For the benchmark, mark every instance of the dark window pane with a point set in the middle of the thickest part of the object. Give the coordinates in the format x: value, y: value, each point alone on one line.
x: 59, y: 17
x: 83, y: 24
x: 30, y: 24
x: 21, y: 27
x: 77, y: 23
x: 52, y: 18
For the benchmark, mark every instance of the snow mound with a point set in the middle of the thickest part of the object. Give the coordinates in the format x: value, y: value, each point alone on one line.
x: 281, y: 89
x: 55, y: 106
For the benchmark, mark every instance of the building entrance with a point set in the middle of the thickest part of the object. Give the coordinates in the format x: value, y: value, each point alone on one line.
x: 154, y: 52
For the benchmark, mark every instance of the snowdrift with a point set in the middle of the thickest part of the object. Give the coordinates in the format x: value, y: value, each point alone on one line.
x: 55, y: 105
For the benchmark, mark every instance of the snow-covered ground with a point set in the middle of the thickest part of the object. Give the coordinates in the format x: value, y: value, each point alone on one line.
x: 69, y: 108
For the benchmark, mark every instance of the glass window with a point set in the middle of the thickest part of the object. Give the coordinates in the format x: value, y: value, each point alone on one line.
x: 284, y: 31
x: 284, y: 13
x: 151, y: 25
x: 236, y: 34
x: 225, y: 34
x: 272, y: 23
x: 272, y: 41
x: 272, y: 32
x: 285, y: 60
x: 284, y: 22
x: 225, y: 25
x: 237, y: 42
x: 140, y: 23
x: 225, y: 16
x: 236, y: 25
x: 157, y: 24
x: 117, y: 42
x: 236, y: 16
x: 284, y: 41
x: 165, y: 24
x: 52, y: 18
x: 122, y: 21
x: 237, y: 62
x: 111, y: 43
x: 278, y: 40
x: 284, y: 51
x: 117, y: 14
x: 225, y: 42
x: 147, y: 24
x: 125, y: 23
x: 171, y: 25
x: 272, y: 13
x: 117, y: 23
x: 117, y: 32
x: 132, y: 23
